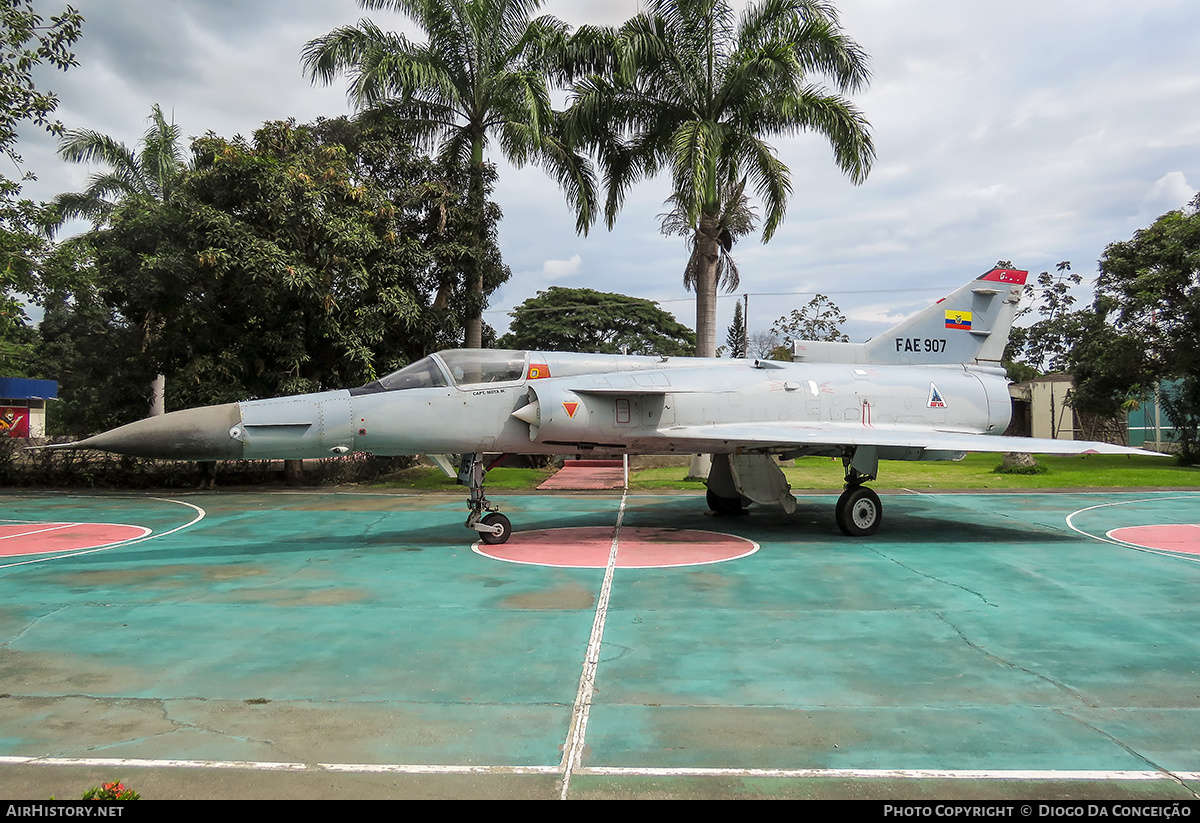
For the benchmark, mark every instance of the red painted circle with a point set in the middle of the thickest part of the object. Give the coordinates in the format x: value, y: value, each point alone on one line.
x: 589, y: 548
x: 48, y: 538
x: 1183, y: 537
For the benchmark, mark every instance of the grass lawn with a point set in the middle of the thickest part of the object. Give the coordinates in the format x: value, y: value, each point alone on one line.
x: 974, y: 472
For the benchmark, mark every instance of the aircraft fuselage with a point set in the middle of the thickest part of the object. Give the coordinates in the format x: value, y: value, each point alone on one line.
x: 637, y: 410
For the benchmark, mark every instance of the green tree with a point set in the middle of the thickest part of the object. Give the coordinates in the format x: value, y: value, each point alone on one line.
x: 734, y: 222
x: 691, y: 90
x: 820, y: 319
x: 735, y: 338
x: 27, y: 41
x: 141, y: 180
x: 1153, y: 283
x: 436, y: 198
x: 1144, y: 324
x: 583, y: 320
x: 103, y: 376
x: 1044, y: 346
x: 22, y: 249
x: 148, y: 175
x: 1182, y: 405
x: 273, y: 269
x: 482, y: 74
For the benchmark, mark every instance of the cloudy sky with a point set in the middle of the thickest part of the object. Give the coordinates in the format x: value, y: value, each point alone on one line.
x: 1027, y: 131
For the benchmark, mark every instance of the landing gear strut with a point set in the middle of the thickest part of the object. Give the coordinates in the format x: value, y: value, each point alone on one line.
x: 493, y: 527
x: 859, y: 512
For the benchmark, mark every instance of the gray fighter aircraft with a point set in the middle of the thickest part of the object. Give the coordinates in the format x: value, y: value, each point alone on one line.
x: 931, y: 388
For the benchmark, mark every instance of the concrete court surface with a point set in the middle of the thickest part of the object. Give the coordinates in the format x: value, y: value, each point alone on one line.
x: 321, y: 644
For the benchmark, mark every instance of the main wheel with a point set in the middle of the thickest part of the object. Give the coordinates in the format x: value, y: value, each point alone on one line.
x: 724, y: 505
x: 859, y: 512
x: 495, y: 519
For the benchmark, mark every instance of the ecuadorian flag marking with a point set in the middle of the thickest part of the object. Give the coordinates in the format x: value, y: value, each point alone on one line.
x: 958, y: 320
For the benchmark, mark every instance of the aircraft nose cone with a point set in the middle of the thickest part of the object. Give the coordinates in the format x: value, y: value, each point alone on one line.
x: 193, y: 434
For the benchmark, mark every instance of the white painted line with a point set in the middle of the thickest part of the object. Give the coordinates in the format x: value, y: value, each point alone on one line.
x: 573, y: 748
x: 910, y: 774
x: 1086, y: 775
x: 374, y: 768
x: 1109, y: 533
x: 148, y: 536
x: 122, y: 762
x: 40, y: 531
x: 1123, y: 544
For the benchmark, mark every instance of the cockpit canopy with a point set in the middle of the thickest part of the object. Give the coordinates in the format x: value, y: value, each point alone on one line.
x: 462, y: 368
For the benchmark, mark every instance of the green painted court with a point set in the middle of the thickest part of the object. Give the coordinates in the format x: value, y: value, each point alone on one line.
x: 356, y: 645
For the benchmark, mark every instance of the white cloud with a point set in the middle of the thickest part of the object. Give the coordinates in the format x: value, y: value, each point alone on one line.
x: 1171, y: 191
x: 997, y: 139
x: 562, y: 269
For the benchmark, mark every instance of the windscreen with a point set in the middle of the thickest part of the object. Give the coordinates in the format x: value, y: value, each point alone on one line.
x: 422, y: 374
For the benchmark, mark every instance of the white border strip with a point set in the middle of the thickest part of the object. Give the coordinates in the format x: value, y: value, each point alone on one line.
x: 1087, y: 775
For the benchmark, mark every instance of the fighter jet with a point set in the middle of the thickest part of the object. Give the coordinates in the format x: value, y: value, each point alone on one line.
x: 931, y: 388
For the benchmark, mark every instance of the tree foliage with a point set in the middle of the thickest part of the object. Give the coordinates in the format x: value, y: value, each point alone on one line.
x: 481, y: 74
x: 1047, y: 345
x: 689, y: 89
x: 22, y: 249
x: 1144, y: 324
x: 583, y: 320
x: 149, y: 174
x: 819, y: 319
x: 304, y: 258
x: 1043, y: 346
x: 1151, y: 282
x: 735, y: 338
x: 1181, y: 402
x: 735, y: 221
x: 27, y: 40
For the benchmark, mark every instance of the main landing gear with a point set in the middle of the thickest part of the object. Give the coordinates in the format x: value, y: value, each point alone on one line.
x: 493, y: 527
x: 859, y: 512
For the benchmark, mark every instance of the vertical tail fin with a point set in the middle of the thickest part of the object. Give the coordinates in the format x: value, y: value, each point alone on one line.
x: 970, y: 325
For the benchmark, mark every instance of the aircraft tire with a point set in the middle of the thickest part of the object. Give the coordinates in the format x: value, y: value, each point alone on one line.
x: 496, y: 519
x: 859, y: 512
x: 724, y: 505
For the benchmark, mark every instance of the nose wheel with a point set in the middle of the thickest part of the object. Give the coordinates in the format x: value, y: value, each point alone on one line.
x: 501, y: 529
x: 482, y: 515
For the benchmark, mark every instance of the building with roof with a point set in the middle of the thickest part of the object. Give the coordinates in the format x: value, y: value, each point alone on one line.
x: 23, y: 405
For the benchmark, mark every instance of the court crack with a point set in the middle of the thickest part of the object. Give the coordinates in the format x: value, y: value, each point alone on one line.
x: 1063, y: 687
x: 1183, y: 784
x: 161, y: 708
x: 29, y: 626
x: 935, y: 579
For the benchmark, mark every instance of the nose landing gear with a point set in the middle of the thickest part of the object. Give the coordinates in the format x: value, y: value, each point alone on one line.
x: 493, y: 527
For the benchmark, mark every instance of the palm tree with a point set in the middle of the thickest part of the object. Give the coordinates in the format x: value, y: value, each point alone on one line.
x: 480, y: 75
x: 149, y: 175
x: 691, y: 90
x: 735, y: 220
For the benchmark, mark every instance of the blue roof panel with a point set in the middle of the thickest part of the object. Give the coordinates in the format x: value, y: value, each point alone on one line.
x: 25, y: 388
